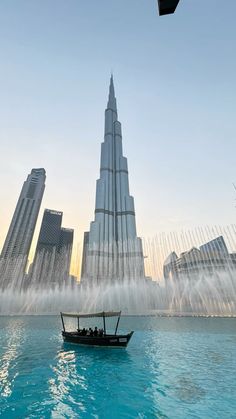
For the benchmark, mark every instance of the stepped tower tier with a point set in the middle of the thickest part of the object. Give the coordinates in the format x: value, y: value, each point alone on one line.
x: 112, y: 249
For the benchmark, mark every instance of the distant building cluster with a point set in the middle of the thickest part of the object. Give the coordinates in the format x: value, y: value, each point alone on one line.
x: 210, y: 257
x: 53, y: 252
x: 112, y: 250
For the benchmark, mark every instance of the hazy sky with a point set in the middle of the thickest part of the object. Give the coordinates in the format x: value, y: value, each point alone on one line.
x: 175, y: 87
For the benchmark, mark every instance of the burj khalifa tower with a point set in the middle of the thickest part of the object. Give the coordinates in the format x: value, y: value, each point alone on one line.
x: 112, y: 250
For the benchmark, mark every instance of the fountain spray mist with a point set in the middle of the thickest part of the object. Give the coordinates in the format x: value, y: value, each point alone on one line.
x: 208, y: 290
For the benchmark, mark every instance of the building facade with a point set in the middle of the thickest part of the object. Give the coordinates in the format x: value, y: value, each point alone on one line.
x: 211, y: 257
x: 111, y: 248
x: 64, y: 252
x: 16, y: 248
x: 53, y: 252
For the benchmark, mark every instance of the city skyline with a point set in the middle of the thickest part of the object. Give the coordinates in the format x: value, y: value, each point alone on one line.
x: 184, y: 152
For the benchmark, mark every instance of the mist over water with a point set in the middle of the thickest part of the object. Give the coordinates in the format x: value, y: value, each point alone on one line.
x: 197, y: 293
x: 201, y: 295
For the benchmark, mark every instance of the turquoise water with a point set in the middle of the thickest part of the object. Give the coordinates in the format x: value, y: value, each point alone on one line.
x: 172, y: 368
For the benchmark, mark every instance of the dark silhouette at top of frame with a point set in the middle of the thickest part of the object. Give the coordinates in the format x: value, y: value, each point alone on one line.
x: 167, y: 7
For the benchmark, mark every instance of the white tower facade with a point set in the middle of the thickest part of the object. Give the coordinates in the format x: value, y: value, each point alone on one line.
x: 16, y: 248
x: 112, y: 249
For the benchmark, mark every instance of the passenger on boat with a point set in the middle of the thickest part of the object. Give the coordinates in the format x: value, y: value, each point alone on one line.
x: 84, y: 332
x: 90, y: 332
x: 100, y: 333
x: 95, y: 333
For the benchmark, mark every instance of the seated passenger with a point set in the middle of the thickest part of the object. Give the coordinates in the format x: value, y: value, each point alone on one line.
x: 100, y: 333
x: 84, y: 332
x: 95, y: 333
x: 90, y: 332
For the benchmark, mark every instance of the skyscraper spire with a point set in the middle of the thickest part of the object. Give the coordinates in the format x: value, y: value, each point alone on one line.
x: 112, y: 99
x: 112, y: 249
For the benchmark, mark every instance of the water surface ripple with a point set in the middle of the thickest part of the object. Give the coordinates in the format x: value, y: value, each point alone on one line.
x: 173, y: 368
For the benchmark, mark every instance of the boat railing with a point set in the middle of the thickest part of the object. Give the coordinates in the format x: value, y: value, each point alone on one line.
x: 103, y: 314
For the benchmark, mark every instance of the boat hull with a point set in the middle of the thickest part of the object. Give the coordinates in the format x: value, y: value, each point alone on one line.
x: 113, y: 341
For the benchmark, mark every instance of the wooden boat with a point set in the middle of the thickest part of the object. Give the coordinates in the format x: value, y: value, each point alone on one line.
x: 100, y: 339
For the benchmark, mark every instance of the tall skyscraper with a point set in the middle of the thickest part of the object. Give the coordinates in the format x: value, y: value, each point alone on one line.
x: 50, y: 231
x: 53, y: 252
x: 19, y: 237
x: 111, y: 248
x: 64, y: 252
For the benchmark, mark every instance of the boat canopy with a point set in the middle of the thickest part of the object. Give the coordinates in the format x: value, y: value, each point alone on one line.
x: 90, y: 315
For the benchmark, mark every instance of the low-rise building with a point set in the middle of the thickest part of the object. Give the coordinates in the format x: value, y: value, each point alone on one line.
x: 210, y: 257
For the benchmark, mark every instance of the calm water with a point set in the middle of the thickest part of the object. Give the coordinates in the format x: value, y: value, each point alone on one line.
x: 173, y: 368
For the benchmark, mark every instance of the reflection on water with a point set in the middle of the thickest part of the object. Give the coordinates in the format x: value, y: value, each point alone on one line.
x: 86, y: 376
x: 65, y: 374
x: 172, y: 369
x: 14, y: 335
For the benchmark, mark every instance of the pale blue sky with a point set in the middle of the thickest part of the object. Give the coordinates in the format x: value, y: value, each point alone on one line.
x: 175, y: 86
